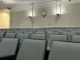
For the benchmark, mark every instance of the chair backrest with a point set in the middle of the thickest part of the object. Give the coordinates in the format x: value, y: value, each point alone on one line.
x: 1, y: 36
x: 50, y: 30
x: 38, y: 36
x: 64, y: 51
x: 39, y: 32
x: 32, y: 50
x: 9, y: 31
x: 8, y: 47
x: 55, y: 38
x: 25, y: 32
x: 49, y: 33
x: 55, y: 33
x: 69, y: 35
x: 2, y: 31
x: 10, y: 35
x: 22, y: 36
x: 17, y: 32
x: 77, y: 32
x: 28, y: 32
x: 31, y: 30
x: 75, y: 38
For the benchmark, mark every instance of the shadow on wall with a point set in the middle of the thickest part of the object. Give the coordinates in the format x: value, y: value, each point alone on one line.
x: 32, y: 21
x: 57, y: 19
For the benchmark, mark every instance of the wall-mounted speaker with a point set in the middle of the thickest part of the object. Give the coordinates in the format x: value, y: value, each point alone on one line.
x: 69, y: 0
x: 8, y: 8
x: 58, y: 14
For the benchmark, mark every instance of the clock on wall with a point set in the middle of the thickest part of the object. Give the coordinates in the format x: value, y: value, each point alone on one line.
x: 44, y: 13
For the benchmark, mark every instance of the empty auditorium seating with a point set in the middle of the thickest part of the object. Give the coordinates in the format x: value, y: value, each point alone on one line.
x: 77, y: 32
x: 33, y: 43
x: 17, y: 32
x: 9, y: 31
x: 31, y: 30
x: 69, y: 34
x: 75, y: 38
x: 32, y: 50
x: 2, y: 31
x: 8, y: 47
x: 50, y: 30
x: 1, y: 36
x: 54, y: 33
x: 39, y: 32
x: 64, y: 51
x: 22, y: 36
x: 26, y: 32
x: 10, y: 35
x: 55, y: 38
x: 38, y: 36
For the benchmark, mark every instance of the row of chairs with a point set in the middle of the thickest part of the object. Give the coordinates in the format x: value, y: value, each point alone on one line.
x: 49, y: 38
x: 36, y: 50
x: 22, y: 36
x: 39, y: 30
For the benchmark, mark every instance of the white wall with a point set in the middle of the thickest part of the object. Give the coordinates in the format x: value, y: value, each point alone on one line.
x: 20, y: 19
x: 69, y: 17
x: 49, y: 20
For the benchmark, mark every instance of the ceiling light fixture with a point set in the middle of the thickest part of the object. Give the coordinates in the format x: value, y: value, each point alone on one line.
x: 58, y: 7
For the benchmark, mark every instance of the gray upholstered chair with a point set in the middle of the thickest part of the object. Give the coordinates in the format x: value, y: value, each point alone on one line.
x: 9, y: 31
x: 10, y: 35
x: 17, y: 32
x: 32, y: 50
x: 39, y: 32
x: 1, y: 36
x: 8, y: 47
x: 75, y: 38
x: 49, y: 33
x: 22, y: 36
x: 28, y: 32
x: 38, y: 36
x: 2, y: 31
x: 69, y: 34
x: 55, y: 33
x: 64, y: 51
x: 55, y: 38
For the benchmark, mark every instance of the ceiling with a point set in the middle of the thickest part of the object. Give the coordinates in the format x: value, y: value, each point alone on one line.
x: 11, y: 3
x: 19, y: 2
